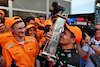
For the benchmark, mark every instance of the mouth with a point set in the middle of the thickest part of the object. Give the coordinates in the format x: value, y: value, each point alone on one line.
x: 22, y: 33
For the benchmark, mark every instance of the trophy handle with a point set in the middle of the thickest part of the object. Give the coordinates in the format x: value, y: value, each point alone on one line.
x: 44, y: 54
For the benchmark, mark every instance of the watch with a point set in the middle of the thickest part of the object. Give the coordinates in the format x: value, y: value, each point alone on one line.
x: 91, y: 44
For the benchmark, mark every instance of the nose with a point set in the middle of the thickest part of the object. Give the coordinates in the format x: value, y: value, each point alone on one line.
x: 62, y: 34
x: 23, y: 29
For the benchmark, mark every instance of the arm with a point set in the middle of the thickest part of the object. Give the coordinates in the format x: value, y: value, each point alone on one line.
x: 2, y: 61
x: 95, y: 48
x: 7, y: 56
x: 81, y: 52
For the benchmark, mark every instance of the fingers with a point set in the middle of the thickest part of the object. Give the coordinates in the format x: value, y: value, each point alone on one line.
x: 48, y: 36
x: 50, y: 59
x: 87, y: 39
x: 2, y: 27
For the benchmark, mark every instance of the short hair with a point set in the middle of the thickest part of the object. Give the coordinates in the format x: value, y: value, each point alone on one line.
x: 41, y: 16
x: 29, y: 18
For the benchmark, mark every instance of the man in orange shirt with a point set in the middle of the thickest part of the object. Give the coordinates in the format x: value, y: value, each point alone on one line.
x: 3, y: 29
x: 20, y: 48
x: 42, y: 19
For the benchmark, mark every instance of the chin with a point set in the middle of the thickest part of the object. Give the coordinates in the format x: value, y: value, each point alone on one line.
x: 22, y: 35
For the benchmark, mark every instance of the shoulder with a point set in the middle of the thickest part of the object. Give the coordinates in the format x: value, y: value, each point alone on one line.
x: 30, y: 38
x: 8, y: 44
x: 7, y: 29
x: 7, y: 34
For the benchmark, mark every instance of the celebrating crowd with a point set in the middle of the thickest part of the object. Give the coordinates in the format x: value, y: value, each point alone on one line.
x: 21, y: 43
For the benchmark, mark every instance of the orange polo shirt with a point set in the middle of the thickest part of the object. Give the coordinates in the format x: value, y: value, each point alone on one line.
x: 5, y: 37
x: 41, y: 41
x: 23, y: 55
x: 39, y: 33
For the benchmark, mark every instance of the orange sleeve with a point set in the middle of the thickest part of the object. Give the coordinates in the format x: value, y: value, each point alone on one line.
x: 37, y: 47
x: 7, y: 56
x: 40, y: 43
x: 41, y: 40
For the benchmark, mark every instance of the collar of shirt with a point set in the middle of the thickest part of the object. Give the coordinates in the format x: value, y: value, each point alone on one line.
x: 26, y: 40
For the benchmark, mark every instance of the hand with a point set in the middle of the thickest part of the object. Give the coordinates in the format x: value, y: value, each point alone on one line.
x: 2, y: 61
x: 87, y: 39
x: 2, y: 27
x: 48, y: 37
x: 51, y: 61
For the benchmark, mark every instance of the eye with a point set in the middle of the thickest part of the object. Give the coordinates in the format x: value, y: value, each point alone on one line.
x: 19, y: 28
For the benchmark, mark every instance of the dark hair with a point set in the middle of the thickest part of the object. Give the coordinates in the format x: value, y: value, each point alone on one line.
x: 41, y: 16
x: 29, y: 18
x: 26, y: 33
x: 15, y: 23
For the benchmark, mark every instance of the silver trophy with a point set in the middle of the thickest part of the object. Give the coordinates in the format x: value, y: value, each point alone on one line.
x: 51, y: 46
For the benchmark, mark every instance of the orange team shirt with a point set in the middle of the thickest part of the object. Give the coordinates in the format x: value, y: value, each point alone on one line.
x: 5, y: 37
x: 41, y: 41
x: 39, y: 33
x: 23, y: 55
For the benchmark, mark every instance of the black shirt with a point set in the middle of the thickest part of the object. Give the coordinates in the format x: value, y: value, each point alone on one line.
x: 67, y: 58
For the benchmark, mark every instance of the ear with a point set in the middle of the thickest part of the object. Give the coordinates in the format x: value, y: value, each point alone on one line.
x: 12, y: 30
x: 73, y: 40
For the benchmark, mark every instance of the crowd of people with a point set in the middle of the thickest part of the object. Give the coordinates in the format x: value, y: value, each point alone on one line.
x: 21, y: 42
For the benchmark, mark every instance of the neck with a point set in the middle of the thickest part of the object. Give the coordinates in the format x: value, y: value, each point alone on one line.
x: 20, y: 40
x: 69, y: 46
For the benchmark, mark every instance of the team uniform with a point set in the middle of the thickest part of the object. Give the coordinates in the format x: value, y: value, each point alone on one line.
x: 23, y: 55
x: 67, y: 58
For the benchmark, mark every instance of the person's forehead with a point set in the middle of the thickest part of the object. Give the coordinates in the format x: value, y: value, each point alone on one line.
x: 20, y: 23
x: 67, y: 31
x: 32, y: 28
x: 41, y: 17
x: 32, y: 20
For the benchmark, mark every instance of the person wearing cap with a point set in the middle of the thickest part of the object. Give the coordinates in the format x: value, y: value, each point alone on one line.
x: 3, y: 29
x: 66, y: 52
x: 42, y: 19
x: 48, y: 25
x: 91, y: 46
x: 36, y: 22
x: 31, y: 31
x: 20, y: 49
x: 30, y: 20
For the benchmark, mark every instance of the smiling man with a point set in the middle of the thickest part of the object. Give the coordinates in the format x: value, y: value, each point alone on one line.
x: 20, y: 49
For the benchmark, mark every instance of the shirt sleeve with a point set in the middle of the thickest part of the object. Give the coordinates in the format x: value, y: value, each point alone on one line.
x: 85, y: 47
x: 7, y: 56
x: 37, y: 47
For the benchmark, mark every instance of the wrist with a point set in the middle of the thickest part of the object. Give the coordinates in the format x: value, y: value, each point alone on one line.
x: 91, y: 44
x: 51, y: 15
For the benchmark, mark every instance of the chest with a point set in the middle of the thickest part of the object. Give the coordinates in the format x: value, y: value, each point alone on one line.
x: 19, y: 50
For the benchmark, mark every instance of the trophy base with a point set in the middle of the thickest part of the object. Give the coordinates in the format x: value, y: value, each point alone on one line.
x: 44, y: 54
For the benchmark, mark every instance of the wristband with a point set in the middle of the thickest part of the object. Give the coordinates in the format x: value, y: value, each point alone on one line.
x: 91, y: 44
x: 51, y: 15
